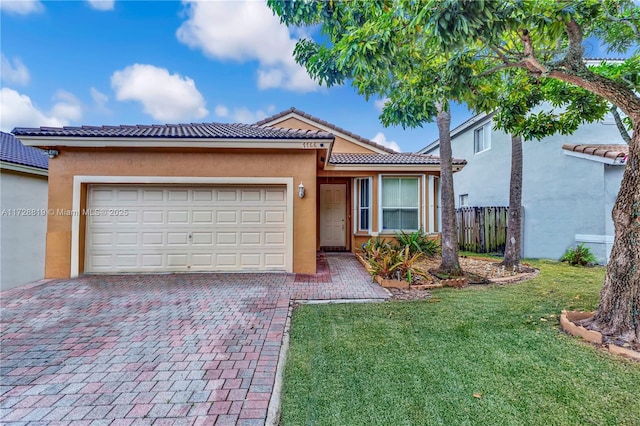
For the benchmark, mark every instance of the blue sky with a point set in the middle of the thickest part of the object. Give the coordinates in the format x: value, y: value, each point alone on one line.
x: 127, y: 62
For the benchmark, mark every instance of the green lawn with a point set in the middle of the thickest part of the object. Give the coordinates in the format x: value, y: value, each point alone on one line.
x: 420, y: 363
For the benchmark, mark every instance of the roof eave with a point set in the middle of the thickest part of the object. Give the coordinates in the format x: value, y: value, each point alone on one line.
x: 391, y: 167
x: 146, y: 142
x: 23, y: 168
x: 618, y: 161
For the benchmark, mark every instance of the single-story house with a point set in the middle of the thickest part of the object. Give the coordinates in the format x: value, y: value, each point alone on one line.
x: 224, y: 197
x: 570, y: 182
x: 23, y: 200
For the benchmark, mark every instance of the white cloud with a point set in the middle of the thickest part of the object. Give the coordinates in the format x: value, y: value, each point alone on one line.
x: 101, y: 4
x: 67, y: 107
x: 246, y: 31
x: 99, y: 99
x: 379, y: 103
x: 164, y: 96
x: 221, y: 111
x: 243, y: 114
x: 19, y: 111
x: 381, y: 139
x: 16, y: 73
x: 21, y: 7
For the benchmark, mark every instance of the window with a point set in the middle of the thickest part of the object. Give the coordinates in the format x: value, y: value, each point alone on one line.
x: 482, y: 139
x: 464, y: 200
x: 363, y: 189
x: 399, y: 203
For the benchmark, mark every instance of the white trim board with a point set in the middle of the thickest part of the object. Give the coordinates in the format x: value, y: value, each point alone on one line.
x: 78, y: 181
x: 23, y: 169
x: 102, y: 142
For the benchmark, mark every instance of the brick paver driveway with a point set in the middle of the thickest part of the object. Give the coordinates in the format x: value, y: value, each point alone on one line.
x: 155, y: 349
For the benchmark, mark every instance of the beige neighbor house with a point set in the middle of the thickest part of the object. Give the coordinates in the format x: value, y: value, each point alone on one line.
x: 23, y: 201
x: 224, y: 197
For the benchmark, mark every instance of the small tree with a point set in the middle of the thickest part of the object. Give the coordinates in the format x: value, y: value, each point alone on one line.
x: 567, y: 107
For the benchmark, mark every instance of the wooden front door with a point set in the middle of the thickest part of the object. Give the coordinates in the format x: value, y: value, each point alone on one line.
x: 333, y: 215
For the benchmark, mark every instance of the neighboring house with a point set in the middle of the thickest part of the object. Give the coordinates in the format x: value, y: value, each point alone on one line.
x: 223, y: 197
x: 569, y: 182
x: 23, y: 201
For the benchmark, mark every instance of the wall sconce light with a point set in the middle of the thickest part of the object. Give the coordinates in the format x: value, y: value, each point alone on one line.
x: 53, y: 153
x: 301, y: 190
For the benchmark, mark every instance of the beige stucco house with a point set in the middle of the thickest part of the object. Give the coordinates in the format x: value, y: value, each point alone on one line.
x: 23, y: 223
x: 224, y: 197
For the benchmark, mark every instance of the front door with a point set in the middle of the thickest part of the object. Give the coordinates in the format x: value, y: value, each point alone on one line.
x: 333, y: 215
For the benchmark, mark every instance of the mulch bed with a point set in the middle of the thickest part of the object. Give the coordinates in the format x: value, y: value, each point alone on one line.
x: 478, y: 270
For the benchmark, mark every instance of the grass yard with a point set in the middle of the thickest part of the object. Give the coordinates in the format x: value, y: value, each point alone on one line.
x: 420, y: 363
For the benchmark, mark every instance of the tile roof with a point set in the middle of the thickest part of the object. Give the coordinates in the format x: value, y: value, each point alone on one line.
x: 176, y: 131
x: 12, y: 151
x: 618, y: 153
x: 326, y: 124
x: 389, y: 159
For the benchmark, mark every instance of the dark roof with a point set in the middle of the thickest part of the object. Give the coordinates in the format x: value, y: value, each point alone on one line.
x: 177, y: 131
x: 324, y: 123
x: 614, y: 152
x: 390, y: 159
x: 14, y: 152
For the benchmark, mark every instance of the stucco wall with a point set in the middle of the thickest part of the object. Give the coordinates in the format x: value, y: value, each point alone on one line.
x: 339, y: 145
x: 301, y: 165
x: 22, y: 237
x: 562, y: 196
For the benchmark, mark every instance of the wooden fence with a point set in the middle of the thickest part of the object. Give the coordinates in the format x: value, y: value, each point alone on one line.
x: 482, y: 229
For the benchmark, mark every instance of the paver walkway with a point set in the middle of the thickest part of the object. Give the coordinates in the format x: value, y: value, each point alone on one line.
x: 155, y: 349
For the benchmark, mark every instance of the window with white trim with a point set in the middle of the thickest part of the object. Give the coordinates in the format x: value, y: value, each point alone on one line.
x: 464, y: 200
x: 363, y: 188
x: 400, y: 206
x: 482, y: 139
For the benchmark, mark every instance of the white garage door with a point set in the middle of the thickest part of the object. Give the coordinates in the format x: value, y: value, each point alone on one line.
x: 180, y: 229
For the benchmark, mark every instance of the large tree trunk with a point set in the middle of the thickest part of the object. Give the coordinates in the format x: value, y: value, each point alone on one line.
x: 618, y: 315
x: 514, y: 222
x: 450, y: 264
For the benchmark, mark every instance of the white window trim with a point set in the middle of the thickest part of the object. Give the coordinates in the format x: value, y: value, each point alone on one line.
x: 486, y: 132
x: 423, y: 204
x: 380, y: 210
x: 78, y: 181
x: 460, y: 200
x: 432, y: 204
x: 356, y: 206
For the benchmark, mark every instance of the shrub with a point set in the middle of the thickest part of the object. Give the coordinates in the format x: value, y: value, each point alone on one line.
x: 418, y: 243
x: 375, y: 248
x: 392, y: 262
x: 580, y: 255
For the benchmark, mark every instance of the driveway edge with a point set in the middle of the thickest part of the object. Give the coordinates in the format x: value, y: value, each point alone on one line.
x: 273, y: 411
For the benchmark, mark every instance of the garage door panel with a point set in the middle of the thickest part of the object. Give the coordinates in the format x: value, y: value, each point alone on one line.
x: 251, y: 217
x: 274, y: 217
x: 202, y: 238
x: 274, y: 238
x: 178, y: 195
x: 177, y: 216
x: 202, y: 217
x: 153, y: 217
x: 250, y: 238
x: 126, y: 239
x: 230, y: 228
x: 274, y: 260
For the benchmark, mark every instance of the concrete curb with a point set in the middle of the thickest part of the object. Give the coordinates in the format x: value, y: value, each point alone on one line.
x: 273, y: 411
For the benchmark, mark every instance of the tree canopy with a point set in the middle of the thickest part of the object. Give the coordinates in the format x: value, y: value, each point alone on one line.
x: 421, y: 54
